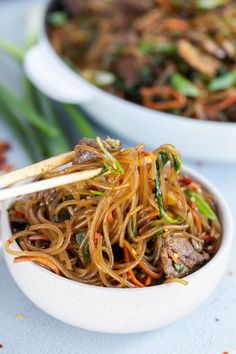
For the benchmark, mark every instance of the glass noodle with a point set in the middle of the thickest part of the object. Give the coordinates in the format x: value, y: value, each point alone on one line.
x: 141, y: 222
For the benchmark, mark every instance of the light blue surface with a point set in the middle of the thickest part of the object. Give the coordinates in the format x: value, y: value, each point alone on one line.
x: 210, y: 330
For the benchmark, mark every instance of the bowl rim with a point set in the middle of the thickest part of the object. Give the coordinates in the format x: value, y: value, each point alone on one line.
x: 187, y: 120
x: 227, y: 236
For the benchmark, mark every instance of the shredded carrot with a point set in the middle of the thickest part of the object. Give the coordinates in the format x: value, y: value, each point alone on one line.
x: 149, y: 93
x: 96, y: 236
x: 41, y: 260
x: 222, y: 105
x: 197, y: 220
x: 175, y: 24
x: 149, y: 271
x: 134, y: 280
x: 148, y: 280
x: 141, y: 264
x: 110, y: 218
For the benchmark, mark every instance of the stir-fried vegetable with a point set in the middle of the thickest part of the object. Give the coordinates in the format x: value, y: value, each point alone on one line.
x: 202, y: 205
x: 210, y: 4
x: 170, y: 55
x: 164, y: 152
x: 223, y: 82
x: 33, y: 118
x: 184, y: 85
x: 116, y: 165
x: 122, y: 235
x: 80, y: 240
x: 58, y: 18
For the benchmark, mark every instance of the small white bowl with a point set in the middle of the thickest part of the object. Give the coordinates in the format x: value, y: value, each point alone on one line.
x: 122, y: 310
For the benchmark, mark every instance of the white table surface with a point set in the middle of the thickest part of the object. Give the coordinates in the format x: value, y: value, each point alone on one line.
x: 210, y: 330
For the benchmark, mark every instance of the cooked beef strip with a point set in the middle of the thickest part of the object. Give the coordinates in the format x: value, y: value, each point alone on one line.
x: 134, y: 7
x: 127, y: 68
x: 82, y: 156
x: 73, y: 7
x: 182, y: 251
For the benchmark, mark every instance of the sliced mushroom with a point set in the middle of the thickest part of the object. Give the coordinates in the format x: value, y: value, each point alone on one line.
x: 198, y: 60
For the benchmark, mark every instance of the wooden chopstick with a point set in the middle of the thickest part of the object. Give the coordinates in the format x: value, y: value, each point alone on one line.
x: 47, y: 184
x: 36, y: 169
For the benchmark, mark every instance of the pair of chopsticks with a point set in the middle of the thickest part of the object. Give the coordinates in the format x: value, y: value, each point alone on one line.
x: 37, y: 170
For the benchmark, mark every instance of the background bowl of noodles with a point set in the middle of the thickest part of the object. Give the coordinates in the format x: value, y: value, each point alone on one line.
x: 114, y: 310
x: 196, y: 138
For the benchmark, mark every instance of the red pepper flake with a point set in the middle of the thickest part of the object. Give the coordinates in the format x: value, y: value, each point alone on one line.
x: 185, y: 180
x: 4, y: 165
x: 1, y: 346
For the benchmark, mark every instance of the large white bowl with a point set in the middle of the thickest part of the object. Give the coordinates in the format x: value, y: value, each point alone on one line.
x: 122, y: 310
x: 201, y: 140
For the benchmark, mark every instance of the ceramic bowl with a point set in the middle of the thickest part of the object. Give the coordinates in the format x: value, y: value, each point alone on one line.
x: 198, y: 140
x: 122, y: 310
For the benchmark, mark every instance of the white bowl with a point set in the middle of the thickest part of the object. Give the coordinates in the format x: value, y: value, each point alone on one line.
x: 199, y: 140
x: 122, y: 310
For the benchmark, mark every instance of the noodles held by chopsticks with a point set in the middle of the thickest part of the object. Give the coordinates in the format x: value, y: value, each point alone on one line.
x: 140, y: 222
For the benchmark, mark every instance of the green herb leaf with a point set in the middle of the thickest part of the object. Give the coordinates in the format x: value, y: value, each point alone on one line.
x: 115, y: 163
x: 80, y: 237
x: 223, y: 82
x: 203, y: 207
x: 134, y: 226
x: 147, y: 47
x: 69, y: 197
x: 86, y: 253
x: 164, y: 157
x: 159, y: 196
x: 158, y: 222
x: 163, y: 152
x: 179, y: 267
x: 57, y: 18
x: 103, y: 171
x: 185, y: 86
x: 209, y: 4
x: 54, y: 218
x: 96, y: 192
x: 166, y: 149
x: 177, y: 164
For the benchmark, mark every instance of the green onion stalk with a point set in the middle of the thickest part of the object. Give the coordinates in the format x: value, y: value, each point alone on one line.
x: 32, y: 117
x: 164, y: 154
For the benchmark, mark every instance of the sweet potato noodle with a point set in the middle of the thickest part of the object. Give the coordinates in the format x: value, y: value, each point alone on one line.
x: 176, y: 56
x: 140, y: 222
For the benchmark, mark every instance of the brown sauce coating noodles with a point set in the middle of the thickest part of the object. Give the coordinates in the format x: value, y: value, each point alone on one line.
x: 138, y: 224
